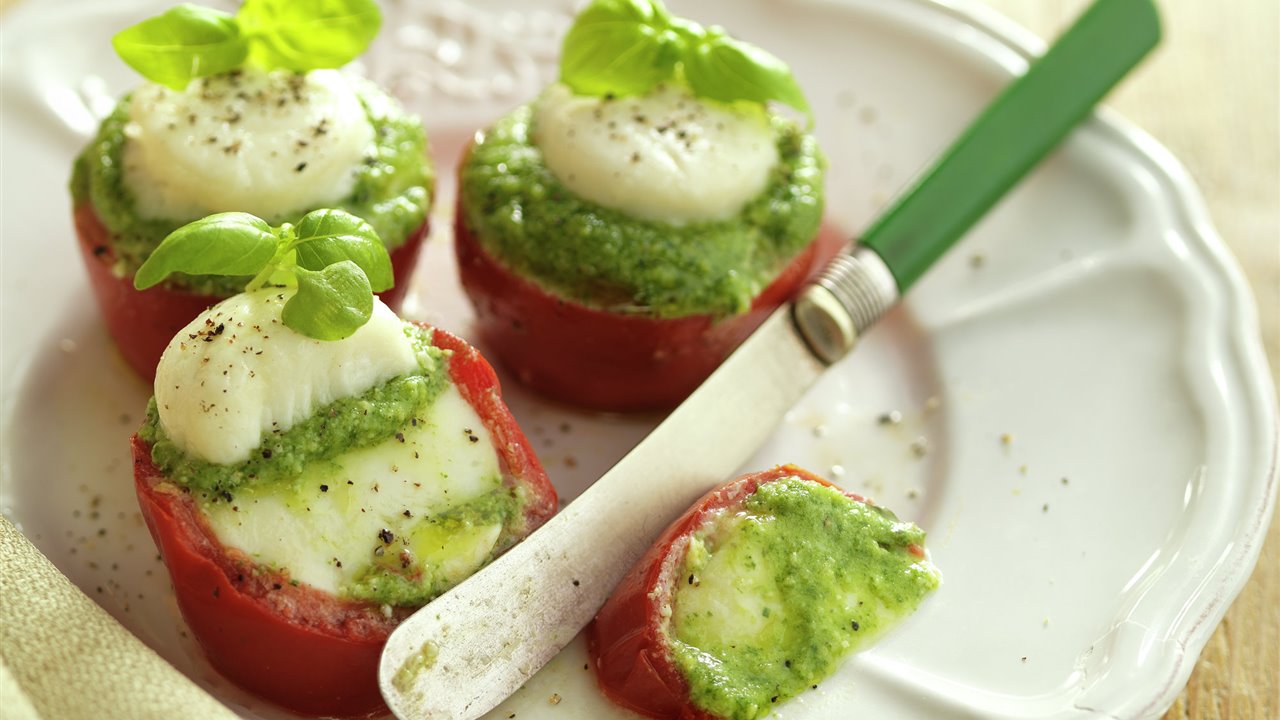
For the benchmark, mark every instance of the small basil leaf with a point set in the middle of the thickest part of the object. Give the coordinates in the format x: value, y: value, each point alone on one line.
x: 620, y: 47
x: 302, y: 35
x: 184, y: 43
x: 326, y: 237
x: 330, y: 304
x: 688, y: 31
x: 725, y: 69
x: 224, y: 244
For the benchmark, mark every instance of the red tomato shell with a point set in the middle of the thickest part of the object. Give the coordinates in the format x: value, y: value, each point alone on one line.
x: 296, y: 646
x: 142, y: 322
x: 604, y: 360
x: 627, y: 639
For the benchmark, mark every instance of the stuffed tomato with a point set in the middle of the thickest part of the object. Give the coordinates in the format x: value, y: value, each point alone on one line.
x: 753, y: 596
x: 307, y: 495
x: 619, y: 238
x: 261, y: 138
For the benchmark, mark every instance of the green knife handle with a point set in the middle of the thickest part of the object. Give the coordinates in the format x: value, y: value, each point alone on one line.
x: 1027, y: 120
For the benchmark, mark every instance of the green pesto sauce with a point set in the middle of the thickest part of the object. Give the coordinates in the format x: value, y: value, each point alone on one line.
x: 392, y: 190
x: 607, y: 259
x: 343, y: 425
x: 421, y: 557
x: 432, y: 544
x: 415, y: 665
x: 772, y: 597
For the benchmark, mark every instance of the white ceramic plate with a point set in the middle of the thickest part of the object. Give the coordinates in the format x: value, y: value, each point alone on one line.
x: 1087, y: 431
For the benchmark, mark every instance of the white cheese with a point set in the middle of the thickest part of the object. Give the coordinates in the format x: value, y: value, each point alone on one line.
x: 665, y: 156
x: 236, y: 372
x: 734, y: 585
x: 272, y: 144
x: 326, y: 538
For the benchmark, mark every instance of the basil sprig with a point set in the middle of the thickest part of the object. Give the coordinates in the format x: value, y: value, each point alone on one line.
x: 628, y: 47
x: 334, y: 259
x: 189, y: 41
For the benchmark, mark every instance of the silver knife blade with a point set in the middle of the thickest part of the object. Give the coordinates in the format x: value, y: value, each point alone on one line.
x: 468, y: 650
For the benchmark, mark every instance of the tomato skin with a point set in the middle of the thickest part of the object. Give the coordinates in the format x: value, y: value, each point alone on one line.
x: 142, y: 322
x: 296, y: 646
x: 604, y: 360
x: 627, y: 639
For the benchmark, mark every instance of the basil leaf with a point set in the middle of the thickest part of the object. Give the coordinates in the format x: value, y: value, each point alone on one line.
x: 722, y: 68
x: 330, y: 304
x: 224, y: 244
x: 326, y: 237
x: 184, y: 43
x: 302, y: 35
x: 620, y: 47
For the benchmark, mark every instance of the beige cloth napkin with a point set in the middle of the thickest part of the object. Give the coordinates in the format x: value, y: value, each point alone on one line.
x: 64, y: 658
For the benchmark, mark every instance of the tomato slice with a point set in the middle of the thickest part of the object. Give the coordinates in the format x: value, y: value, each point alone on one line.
x: 142, y: 322
x: 627, y: 639
x: 610, y: 361
x: 294, y: 645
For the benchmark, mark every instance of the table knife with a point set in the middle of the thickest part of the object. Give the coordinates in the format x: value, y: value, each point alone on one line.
x: 462, y: 654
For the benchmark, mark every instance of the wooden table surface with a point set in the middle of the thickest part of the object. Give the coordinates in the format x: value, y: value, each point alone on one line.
x: 1211, y: 94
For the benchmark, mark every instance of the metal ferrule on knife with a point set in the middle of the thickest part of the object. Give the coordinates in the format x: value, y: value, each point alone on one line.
x: 854, y: 291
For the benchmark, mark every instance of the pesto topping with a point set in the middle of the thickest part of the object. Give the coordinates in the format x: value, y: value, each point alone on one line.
x: 607, y: 259
x: 341, y: 537
x: 345, y: 424
x: 437, y: 552
x: 772, y: 596
x: 414, y: 666
x: 391, y: 192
